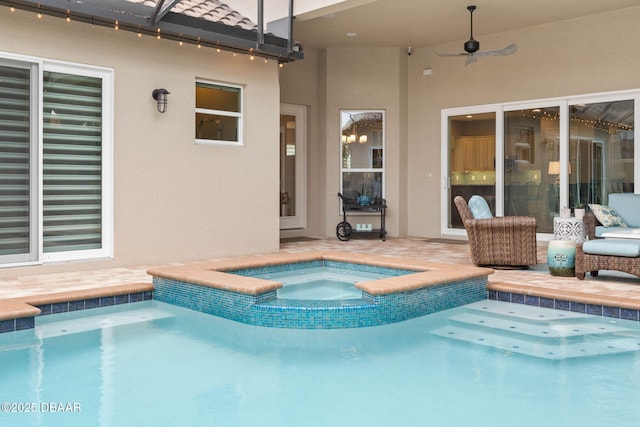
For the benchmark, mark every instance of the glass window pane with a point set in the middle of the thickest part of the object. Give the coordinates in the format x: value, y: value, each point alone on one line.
x: 217, y: 97
x: 472, y: 149
x: 15, y: 159
x: 356, y: 184
x: 362, y: 153
x: 601, y: 147
x: 216, y: 127
x: 287, y: 165
x: 532, y: 151
x: 72, y: 162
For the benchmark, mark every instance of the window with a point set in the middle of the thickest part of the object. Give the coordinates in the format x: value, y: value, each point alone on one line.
x: 55, y: 162
x: 362, y: 151
x: 218, y: 114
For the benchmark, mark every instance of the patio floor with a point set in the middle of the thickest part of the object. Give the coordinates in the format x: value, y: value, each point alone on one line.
x: 621, y: 289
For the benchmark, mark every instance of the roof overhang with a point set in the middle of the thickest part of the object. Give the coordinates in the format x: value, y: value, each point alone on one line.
x: 136, y: 18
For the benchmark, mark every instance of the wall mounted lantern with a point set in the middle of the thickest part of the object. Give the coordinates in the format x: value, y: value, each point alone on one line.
x: 160, y: 95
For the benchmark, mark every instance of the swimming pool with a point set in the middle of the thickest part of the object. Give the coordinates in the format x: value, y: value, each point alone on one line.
x: 157, y: 364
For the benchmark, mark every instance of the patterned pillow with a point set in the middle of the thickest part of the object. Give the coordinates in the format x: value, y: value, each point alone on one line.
x: 479, y: 208
x: 607, y: 216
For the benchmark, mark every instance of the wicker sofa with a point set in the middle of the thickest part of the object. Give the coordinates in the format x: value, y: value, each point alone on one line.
x: 508, y: 241
x: 610, y: 254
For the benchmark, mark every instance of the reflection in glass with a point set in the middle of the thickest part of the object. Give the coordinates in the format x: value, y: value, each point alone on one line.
x: 601, y: 147
x: 362, y: 153
x: 531, y: 166
x: 287, y: 165
x: 472, y: 149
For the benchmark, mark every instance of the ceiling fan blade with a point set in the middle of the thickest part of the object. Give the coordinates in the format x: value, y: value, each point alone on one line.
x: 471, y: 58
x: 508, y: 50
x: 451, y: 54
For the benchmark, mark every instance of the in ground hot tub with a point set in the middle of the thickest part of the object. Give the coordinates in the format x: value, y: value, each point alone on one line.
x: 393, y: 290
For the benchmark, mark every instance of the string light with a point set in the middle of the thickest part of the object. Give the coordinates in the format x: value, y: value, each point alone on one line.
x: 116, y: 26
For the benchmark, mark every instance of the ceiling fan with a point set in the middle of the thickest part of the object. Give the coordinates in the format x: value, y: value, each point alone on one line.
x: 472, y: 47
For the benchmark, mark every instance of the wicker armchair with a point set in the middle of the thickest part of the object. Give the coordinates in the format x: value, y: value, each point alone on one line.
x: 593, y: 263
x: 508, y: 241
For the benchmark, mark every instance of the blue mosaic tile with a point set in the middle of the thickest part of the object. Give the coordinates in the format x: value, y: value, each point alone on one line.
x: 270, y: 269
x: 76, y: 305
x: 25, y: 323
x: 611, y: 312
x: 547, y: 302
x: 595, y: 309
x: 45, y: 309
x: 121, y: 299
x: 91, y: 303
x: 63, y: 307
x: 59, y: 307
x: 504, y: 296
x: 578, y: 307
x: 628, y: 314
x: 107, y: 301
x: 7, y: 325
x: 517, y: 298
x: 267, y: 310
x: 136, y: 297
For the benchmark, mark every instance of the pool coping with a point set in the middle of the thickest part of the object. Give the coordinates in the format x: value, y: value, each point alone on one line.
x: 214, y: 274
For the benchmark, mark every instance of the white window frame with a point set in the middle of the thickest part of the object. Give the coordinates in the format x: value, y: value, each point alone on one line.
x: 371, y: 169
x: 39, y: 66
x: 238, y: 115
x: 499, y: 109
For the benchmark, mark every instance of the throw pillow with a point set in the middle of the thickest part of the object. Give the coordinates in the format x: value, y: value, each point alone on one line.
x: 479, y: 208
x: 607, y: 216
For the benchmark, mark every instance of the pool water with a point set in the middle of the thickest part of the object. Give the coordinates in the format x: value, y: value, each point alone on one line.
x: 485, y: 364
x: 321, y: 283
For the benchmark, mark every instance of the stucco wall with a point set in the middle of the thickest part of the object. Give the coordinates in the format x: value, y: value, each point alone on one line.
x: 174, y: 200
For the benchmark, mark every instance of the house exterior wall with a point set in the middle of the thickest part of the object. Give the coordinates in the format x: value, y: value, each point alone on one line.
x: 173, y: 200
x: 591, y: 54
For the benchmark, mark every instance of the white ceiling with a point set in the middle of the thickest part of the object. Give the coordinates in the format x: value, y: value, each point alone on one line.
x: 419, y: 23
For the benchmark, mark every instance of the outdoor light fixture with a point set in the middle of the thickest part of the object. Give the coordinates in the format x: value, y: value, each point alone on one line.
x: 160, y: 95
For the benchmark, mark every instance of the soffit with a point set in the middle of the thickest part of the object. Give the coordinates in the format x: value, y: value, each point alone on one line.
x: 420, y: 23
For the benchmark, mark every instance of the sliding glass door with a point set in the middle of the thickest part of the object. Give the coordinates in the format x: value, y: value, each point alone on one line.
x: 534, y: 158
x: 55, y: 162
